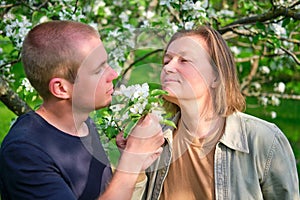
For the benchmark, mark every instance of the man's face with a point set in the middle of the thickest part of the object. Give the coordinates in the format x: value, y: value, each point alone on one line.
x: 93, y: 86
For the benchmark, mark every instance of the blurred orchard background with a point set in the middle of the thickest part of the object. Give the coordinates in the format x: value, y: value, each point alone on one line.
x: 264, y: 37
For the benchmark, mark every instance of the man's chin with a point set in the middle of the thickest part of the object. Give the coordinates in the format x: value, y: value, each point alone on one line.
x: 103, y: 106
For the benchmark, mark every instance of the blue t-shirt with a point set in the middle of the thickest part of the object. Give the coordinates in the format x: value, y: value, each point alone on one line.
x: 38, y: 161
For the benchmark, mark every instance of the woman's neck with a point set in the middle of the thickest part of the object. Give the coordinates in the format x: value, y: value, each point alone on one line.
x: 200, y: 119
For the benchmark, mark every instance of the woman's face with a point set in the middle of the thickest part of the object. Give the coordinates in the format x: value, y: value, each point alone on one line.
x: 187, y: 73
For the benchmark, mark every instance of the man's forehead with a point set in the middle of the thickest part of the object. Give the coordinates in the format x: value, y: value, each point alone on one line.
x: 95, y: 56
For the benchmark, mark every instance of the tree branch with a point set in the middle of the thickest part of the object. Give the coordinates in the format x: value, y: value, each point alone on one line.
x: 282, y: 96
x: 270, y: 15
x: 136, y: 61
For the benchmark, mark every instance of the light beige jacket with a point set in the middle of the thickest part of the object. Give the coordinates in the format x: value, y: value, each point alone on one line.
x: 253, y: 161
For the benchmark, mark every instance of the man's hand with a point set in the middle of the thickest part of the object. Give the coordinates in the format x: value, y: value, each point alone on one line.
x: 142, y: 147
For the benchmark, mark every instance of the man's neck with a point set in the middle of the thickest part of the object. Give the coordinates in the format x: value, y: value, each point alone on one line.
x: 63, y: 118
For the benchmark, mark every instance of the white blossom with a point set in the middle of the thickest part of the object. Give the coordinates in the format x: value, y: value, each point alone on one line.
x: 124, y: 17
x: 17, y: 30
x: 264, y: 100
x: 141, y: 91
x: 275, y: 101
x: 278, y: 29
x: 188, y: 5
x: 279, y: 87
x: 107, y: 11
x: 126, y: 91
x: 227, y: 13
x: 44, y: 19
x: 27, y: 85
x: 235, y: 50
x: 256, y: 85
x: 199, y: 6
x: 164, y: 2
x: 114, y: 33
x: 97, y: 5
x: 265, y: 70
x: 117, y: 107
x: 273, y: 114
x: 174, y: 27
x: 149, y: 14
x: 138, y: 108
x: 188, y: 25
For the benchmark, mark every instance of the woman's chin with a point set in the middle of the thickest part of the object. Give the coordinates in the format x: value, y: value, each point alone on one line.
x: 171, y: 98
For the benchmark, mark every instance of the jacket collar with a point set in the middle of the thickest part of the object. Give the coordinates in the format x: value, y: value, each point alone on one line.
x: 234, y: 136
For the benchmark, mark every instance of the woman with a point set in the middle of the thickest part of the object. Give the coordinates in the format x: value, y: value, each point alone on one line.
x: 216, y: 152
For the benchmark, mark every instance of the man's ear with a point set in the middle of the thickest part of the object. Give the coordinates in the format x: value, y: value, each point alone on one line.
x: 61, y: 88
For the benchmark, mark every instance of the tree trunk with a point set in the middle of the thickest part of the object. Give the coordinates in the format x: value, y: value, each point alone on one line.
x: 12, y: 100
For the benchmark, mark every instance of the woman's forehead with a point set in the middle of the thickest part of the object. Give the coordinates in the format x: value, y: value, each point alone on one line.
x: 187, y: 46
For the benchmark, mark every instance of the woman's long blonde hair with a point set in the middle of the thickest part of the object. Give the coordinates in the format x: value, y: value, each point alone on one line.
x: 227, y: 96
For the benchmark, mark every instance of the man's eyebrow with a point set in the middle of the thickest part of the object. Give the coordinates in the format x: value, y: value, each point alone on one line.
x: 102, y: 63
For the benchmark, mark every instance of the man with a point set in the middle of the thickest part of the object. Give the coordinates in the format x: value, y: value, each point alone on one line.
x: 54, y: 152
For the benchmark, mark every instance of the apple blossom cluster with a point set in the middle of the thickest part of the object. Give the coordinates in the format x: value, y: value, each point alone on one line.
x: 16, y: 29
x: 130, y: 104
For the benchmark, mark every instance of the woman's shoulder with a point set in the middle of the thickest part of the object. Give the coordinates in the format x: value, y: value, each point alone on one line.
x: 258, y: 130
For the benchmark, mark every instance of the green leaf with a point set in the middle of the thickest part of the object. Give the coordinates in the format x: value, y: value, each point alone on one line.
x: 153, y: 86
x: 111, y: 132
x: 260, y: 25
x: 128, y: 128
x: 134, y: 116
x: 152, y: 99
x: 168, y: 123
x: 157, y: 92
x: 285, y: 22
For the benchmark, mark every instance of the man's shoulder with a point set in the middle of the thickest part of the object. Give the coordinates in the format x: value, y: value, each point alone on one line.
x: 24, y: 129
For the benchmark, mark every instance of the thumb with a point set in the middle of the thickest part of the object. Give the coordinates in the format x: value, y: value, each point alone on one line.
x: 152, y: 158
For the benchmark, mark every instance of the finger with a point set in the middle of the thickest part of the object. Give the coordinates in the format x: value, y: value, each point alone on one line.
x: 152, y: 158
x: 147, y: 128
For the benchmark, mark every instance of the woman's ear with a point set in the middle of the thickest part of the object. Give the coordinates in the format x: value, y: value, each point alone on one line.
x: 60, y: 88
x: 215, y: 83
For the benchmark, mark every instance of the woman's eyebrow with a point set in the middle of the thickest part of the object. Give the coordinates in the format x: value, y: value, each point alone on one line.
x: 170, y: 54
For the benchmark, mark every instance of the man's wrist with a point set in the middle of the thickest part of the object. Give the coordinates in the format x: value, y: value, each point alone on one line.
x: 131, y: 162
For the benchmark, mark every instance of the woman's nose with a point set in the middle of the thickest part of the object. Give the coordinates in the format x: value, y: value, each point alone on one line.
x: 170, y: 66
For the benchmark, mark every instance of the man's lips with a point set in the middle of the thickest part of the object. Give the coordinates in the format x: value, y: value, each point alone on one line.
x: 110, y: 91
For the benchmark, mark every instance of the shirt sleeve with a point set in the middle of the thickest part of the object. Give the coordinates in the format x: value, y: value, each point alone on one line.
x: 280, y: 176
x: 140, y: 187
x: 29, y: 173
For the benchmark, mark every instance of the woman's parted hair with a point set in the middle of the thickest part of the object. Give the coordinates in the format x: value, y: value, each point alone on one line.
x: 49, y: 50
x: 227, y: 95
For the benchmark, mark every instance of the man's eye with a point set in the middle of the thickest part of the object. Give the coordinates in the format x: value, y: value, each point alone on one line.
x: 99, y: 70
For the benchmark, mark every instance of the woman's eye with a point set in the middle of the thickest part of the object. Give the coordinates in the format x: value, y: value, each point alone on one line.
x: 184, y: 60
x: 166, y: 62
